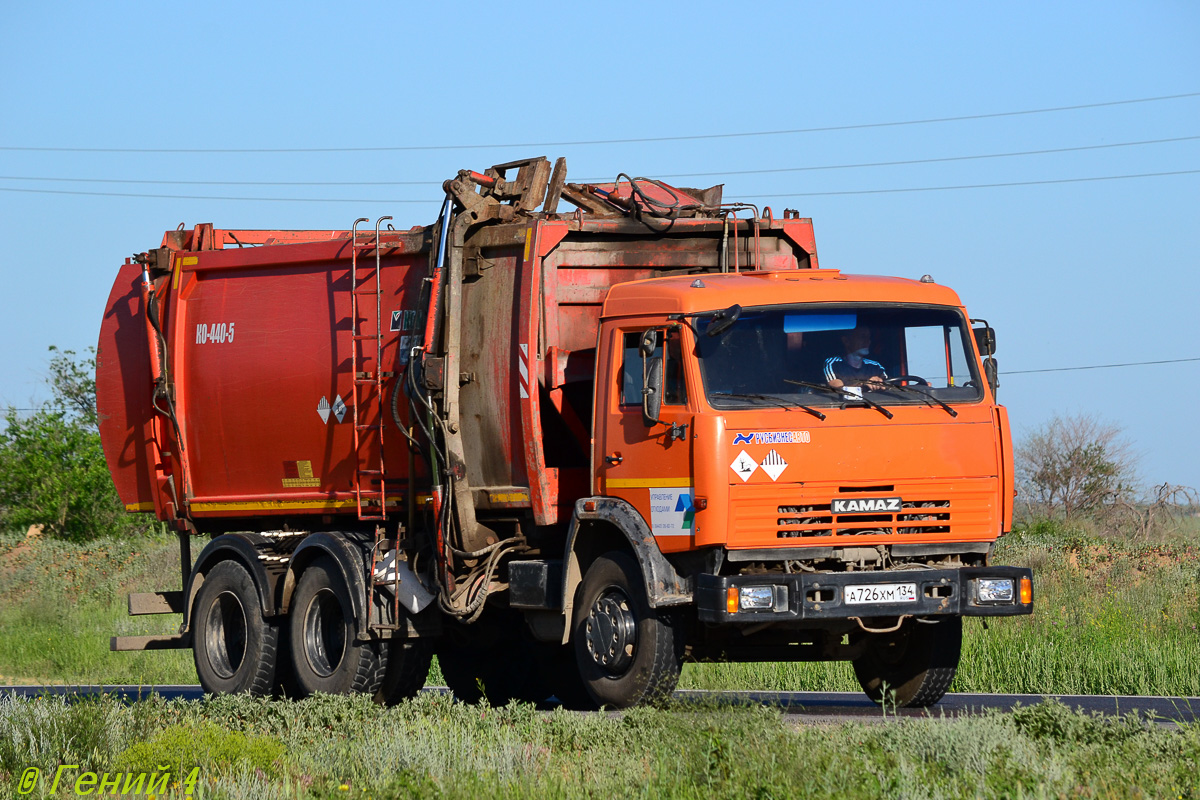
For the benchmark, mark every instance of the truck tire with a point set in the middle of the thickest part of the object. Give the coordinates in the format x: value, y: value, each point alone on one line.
x: 407, y: 667
x: 492, y: 661
x: 284, y: 686
x: 326, y: 657
x: 496, y: 659
x: 560, y: 671
x: 628, y: 653
x: 912, y: 667
x: 234, y: 647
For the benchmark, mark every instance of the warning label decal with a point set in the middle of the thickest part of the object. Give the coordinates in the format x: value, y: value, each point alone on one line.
x: 773, y: 464
x: 299, y: 475
x: 744, y: 465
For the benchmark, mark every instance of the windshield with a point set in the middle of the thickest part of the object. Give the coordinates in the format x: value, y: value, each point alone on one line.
x: 828, y: 355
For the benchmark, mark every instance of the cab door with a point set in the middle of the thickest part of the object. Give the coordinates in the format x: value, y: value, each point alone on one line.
x: 647, y: 465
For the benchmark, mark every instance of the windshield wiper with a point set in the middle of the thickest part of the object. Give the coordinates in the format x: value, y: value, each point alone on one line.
x: 779, y: 401
x: 842, y: 393
x: 929, y: 398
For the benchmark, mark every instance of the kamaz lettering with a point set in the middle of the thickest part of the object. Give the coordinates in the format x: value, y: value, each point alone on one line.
x: 861, y: 505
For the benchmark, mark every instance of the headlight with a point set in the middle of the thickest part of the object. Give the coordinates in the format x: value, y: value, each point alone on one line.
x: 994, y: 590
x: 753, y: 598
x: 762, y: 598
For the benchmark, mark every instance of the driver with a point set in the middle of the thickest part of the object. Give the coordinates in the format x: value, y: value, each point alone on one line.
x: 854, y: 368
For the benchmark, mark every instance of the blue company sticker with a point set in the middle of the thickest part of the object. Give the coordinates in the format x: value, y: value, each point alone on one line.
x: 671, y: 511
x: 773, y: 437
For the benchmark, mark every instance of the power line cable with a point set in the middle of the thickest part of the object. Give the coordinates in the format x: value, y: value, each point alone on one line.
x: 571, y: 143
x: 927, y: 160
x: 1003, y: 373
x: 975, y: 185
x: 1099, y: 366
x: 756, y: 196
x: 908, y: 162
x: 213, y: 197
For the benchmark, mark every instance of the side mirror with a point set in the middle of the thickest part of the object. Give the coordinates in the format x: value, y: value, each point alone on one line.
x: 985, y: 340
x: 649, y: 343
x: 652, y: 392
x: 723, y: 320
x: 992, y: 372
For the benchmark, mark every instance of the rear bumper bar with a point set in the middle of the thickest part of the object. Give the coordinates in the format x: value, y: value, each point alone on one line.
x: 821, y: 596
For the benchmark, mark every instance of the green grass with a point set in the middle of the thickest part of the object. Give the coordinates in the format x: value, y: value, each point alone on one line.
x: 1112, y: 616
x: 60, y: 603
x: 328, y: 747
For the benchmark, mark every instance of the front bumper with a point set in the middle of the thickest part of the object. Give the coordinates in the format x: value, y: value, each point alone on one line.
x: 815, y: 596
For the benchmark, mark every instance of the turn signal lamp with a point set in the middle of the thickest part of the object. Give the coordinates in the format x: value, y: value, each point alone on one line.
x: 1026, y: 591
x: 731, y: 600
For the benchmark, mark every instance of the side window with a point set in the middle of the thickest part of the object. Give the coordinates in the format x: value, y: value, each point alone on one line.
x: 674, y: 385
x: 935, y: 352
x: 631, y: 372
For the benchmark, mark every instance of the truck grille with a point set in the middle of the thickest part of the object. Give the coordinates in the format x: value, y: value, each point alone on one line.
x: 923, y: 517
x: 931, y: 510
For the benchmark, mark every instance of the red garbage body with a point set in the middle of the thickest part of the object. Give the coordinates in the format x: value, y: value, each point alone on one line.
x: 257, y: 348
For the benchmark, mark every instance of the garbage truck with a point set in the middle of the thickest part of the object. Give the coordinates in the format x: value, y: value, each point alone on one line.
x: 566, y: 438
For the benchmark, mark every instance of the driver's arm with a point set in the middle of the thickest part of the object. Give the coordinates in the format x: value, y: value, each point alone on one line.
x: 831, y: 377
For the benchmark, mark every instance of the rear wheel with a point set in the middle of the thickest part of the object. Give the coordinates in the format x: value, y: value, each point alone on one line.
x: 628, y: 653
x: 326, y: 657
x: 491, y: 659
x: 499, y: 660
x: 407, y: 667
x: 233, y: 646
x: 912, y: 667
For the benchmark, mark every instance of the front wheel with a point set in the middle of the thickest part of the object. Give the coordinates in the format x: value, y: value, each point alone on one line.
x: 233, y: 645
x: 628, y: 653
x: 912, y: 667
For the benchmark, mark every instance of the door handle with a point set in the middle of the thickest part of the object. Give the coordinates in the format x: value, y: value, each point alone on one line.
x: 614, y: 459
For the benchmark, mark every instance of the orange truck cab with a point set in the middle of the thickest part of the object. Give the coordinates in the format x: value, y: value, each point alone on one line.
x: 836, y: 520
x: 564, y: 451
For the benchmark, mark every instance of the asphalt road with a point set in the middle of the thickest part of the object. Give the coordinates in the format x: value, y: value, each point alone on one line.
x: 805, y: 706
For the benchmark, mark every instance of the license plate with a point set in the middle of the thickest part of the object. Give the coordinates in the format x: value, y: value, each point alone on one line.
x: 881, y: 593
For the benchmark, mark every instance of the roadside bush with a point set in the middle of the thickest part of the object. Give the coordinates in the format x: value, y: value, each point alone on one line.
x: 52, y: 468
x: 1074, y: 465
x: 1081, y: 470
x: 183, y: 747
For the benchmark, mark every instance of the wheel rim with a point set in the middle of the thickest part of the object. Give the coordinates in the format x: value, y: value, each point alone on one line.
x: 612, y: 631
x: 225, y: 634
x: 324, y: 633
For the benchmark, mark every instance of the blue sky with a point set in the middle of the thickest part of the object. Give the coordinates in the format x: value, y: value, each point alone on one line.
x: 1070, y: 274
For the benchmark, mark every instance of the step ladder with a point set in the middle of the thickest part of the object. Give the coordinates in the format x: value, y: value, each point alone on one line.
x: 375, y: 611
x: 367, y: 394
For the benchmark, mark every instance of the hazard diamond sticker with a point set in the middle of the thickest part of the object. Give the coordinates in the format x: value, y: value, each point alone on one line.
x: 744, y: 466
x: 774, y: 465
x: 323, y: 410
x: 339, y: 408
